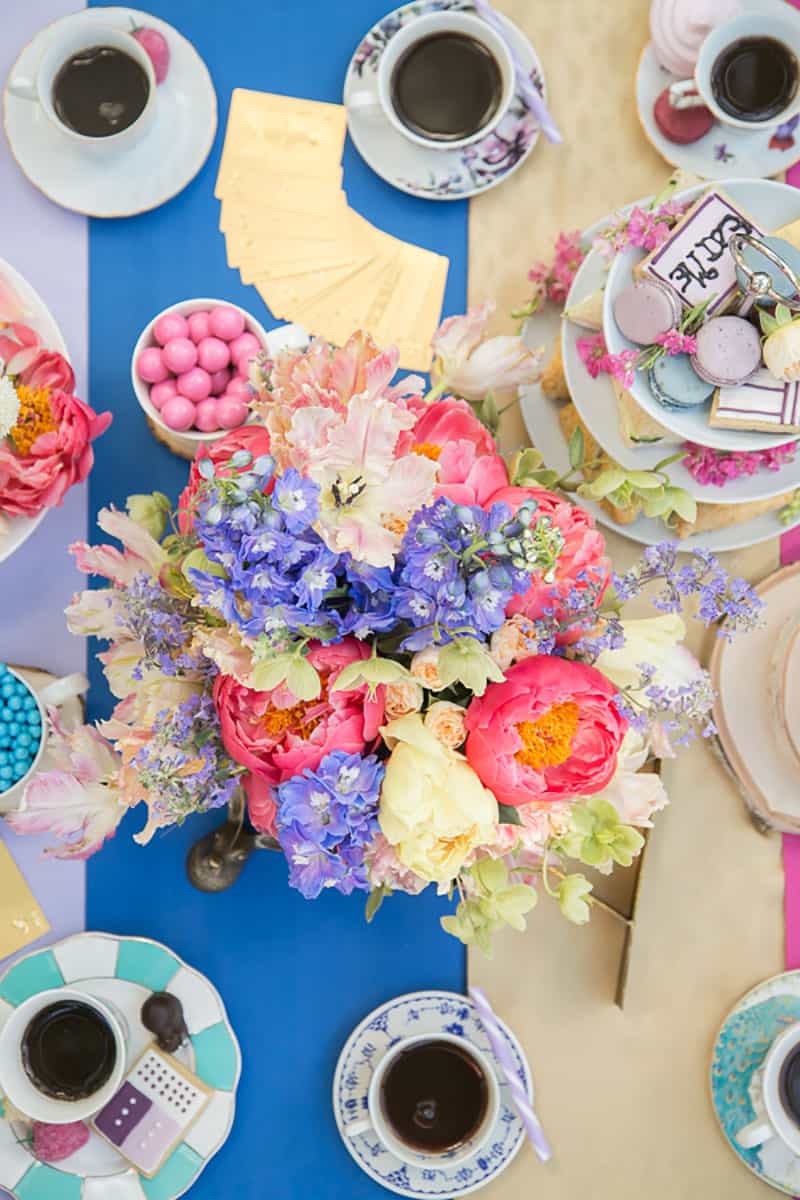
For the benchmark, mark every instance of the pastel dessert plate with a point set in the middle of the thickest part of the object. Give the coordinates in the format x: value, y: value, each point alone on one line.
x: 771, y: 205
x: 438, y: 173
x: 140, y: 178
x: 124, y: 971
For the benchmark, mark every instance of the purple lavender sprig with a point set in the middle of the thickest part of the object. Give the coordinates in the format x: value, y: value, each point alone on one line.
x: 682, y: 710
x: 721, y: 597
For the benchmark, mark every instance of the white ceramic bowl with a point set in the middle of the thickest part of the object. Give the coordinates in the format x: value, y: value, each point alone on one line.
x: 190, y: 441
x: 772, y: 205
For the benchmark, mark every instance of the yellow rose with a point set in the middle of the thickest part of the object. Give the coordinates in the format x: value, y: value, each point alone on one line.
x: 434, y: 810
x: 446, y: 723
x: 402, y: 697
x: 425, y: 668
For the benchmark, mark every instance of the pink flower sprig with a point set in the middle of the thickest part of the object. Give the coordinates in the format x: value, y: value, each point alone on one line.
x: 718, y: 467
x: 675, y: 342
x: 643, y: 228
x: 596, y: 358
x: 552, y: 281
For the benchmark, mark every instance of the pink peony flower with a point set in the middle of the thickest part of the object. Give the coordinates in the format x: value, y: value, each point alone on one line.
x: 61, y: 455
x: 583, y: 568
x: 249, y: 437
x: 448, y: 432
x: 19, y: 346
x: 550, y: 731
x: 275, y: 736
x: 48, y: 370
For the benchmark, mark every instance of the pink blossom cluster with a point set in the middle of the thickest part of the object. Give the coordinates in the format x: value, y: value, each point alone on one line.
x: 595, y: 356
x: 719, y: 467
x: 675, y: 342
x: 553, y: 281
x: 644, y: 228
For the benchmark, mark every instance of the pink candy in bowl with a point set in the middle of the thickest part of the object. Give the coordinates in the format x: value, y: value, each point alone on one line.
x: 189, y: 369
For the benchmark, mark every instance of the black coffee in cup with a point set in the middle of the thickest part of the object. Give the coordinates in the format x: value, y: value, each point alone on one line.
x: 100, y: 91
x: 789, y: 1084
x: 446, y: 86
x: 68, y: 1050
x: 754, y: 78
x: 434, y: 1096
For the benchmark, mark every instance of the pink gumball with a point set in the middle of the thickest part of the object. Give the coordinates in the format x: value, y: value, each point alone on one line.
x: 171, y: 325
x: 240, y: 389
x: 199, y: 327
x: 180, y: 355
x: 226, y: 322
x: 220, y: 381
x: 178, y: 413
x: 195, y: 385
x: 213, y: 354
x: 160, y: 393
x: 150, y: 366
x: 246, y: 346
x: 231, y: 412
x: 205, y: 416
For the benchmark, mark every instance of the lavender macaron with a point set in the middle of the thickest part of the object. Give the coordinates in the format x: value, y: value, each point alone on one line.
x: 646, y: 309
x: 728, y: 351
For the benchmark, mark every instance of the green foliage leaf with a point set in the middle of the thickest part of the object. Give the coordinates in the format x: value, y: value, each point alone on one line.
x: 644, y: 480
x: 196, y: 560
x: 523, y: 464
x: 576, y: 448
x: 783, y: 315
x: 375, y: 900
x: 509, y: 815
x: 768, y: 323
x: 606, y: 482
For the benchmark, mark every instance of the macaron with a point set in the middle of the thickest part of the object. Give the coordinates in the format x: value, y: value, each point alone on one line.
x: 645, y: 309
x: 681, y: 125
x: 756, y: 261
x: 675, y: 384
x: 728, y: 351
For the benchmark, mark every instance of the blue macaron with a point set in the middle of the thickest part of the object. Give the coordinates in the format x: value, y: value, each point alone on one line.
x: 675, y: 383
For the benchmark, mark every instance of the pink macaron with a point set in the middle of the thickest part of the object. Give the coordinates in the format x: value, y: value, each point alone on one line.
x: 728, y: 351
x: 646, y: 309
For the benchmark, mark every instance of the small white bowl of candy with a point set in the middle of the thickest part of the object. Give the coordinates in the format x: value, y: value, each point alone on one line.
x: 189, y: 371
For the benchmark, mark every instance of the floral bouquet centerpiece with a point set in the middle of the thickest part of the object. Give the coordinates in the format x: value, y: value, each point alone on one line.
x: 409, y: 655
x: 46, y: 432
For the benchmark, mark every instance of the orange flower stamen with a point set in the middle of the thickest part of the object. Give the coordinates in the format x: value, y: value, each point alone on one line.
x: 35, y: 418
x: 278, y: 721
x: 547, y: 742
x: 427, y: 450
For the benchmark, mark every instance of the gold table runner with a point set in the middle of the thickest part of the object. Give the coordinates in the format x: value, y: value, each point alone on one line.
x: 623, y: 1094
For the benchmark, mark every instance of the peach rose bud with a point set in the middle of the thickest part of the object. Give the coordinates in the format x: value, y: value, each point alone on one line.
x: 446, y: 723
x: 425, y: 668
x: 402, y: 697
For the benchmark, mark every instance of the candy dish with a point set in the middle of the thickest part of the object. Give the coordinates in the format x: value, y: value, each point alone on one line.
x: 736, y: 1068
x: 771, y: 205
x: 441, y: 173
x: 142, y: 177
x: 431, y: 1012
x: 723, y: 152
x: 750, y: 689
x: 124, y: 971
x: 187, y: 441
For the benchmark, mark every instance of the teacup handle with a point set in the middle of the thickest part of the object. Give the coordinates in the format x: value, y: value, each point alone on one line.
x: 685, y: 95
x: 54, y: 694
x: 754, y: 1134
x: 363, y: 100
x: 24, y: 88
x: 356, y: 1128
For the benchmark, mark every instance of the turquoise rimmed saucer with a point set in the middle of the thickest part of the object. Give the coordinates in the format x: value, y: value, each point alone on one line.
x: 124, y: 971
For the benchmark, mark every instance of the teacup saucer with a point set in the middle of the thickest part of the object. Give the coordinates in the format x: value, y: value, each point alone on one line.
x: 422, y: 1012
x: 739, y: 1050
x: 124, y: 971
x: 724, y: 152
x: 150, y: 172
x: 439, y: 174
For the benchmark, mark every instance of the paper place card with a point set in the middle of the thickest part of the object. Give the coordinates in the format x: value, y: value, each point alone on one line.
x: 21, y: 919
x: 695, y: 261
x: 763, y: 403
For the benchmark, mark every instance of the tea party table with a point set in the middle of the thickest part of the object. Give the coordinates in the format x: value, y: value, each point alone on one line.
x: 296, y: 977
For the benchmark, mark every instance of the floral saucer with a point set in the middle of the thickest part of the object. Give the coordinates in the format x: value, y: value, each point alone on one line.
x: 124, y: 971
x: 739, y: 1052
x: 405, y: 1016
x: 143, y: 177
x: 724, y: 152
x: 14, y: 531
x: 437, y: 174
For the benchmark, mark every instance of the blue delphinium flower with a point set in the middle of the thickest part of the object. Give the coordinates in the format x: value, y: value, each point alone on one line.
x: 326, y: 819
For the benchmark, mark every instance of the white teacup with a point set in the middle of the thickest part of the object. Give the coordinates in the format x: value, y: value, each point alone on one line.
x: 72, y: 36
x: 20, y: 1089
x: 52, y: 695
x: 690, y: 92
x: 424, y: 27
x: 777, y: 1123
x: 377, y: 1123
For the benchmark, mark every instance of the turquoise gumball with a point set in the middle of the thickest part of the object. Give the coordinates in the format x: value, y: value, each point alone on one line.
x: 6, y: 772
x: 29, y: 703
x: 22, y: 754
x: 4, y: 758
x: 15, y: 703
x: 6, y: 714
x: 24, y: 740
x: 13, y: 728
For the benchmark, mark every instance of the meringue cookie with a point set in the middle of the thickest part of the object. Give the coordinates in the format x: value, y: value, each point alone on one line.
x: 678, y: 29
